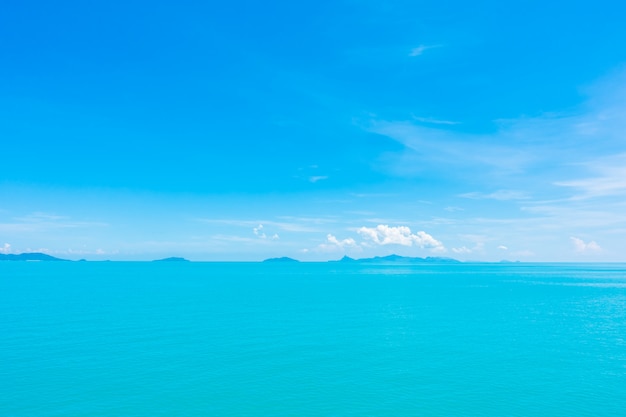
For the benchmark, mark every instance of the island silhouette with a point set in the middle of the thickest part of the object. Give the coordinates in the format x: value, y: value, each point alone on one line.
x: 389, y: 259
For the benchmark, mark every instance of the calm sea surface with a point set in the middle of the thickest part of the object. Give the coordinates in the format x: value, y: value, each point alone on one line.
x: 251, y: 339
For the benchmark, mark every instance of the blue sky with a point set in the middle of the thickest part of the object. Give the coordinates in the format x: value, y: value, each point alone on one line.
x: 476, y: 130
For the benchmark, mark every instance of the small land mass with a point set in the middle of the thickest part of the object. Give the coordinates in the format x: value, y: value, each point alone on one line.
x: 30, y: 256
x: 346, y: 258
x: 397, y: 259
x: 172, y: 259
x: 284, y: 259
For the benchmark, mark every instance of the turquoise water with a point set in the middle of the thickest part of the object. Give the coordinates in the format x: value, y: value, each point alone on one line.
x: 212, y: 339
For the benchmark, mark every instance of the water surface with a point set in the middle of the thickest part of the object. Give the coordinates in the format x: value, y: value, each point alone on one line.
x: 251, y: 339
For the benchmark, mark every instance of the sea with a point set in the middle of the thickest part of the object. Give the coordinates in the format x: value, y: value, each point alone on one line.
x: 105, y: 339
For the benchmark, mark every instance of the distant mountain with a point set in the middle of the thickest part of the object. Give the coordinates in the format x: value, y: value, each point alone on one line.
x: 345, y: 259
x: 397, y: 259
x: 33, y: 256
x: 172, y: 259
x: 284, y: 259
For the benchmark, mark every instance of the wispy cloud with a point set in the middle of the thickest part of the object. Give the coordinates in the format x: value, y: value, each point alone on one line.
x: 478, y: 244
x: 310, y: 219
x: 316, y: 178
x: 97, y: 252
x: 39, y: 217
x: 428, y: 148
x: 433, y: 121
x: 502, y: 195
x: 462, y: 250
x: 419, y: 50
x: 580, y: 212
x: 304, y: 226
x: 373, y: 195
x: 234, y: 238
x: 40, y: 222
x: 609, y: 178
x: 545, y: 148
x: 311, y: 173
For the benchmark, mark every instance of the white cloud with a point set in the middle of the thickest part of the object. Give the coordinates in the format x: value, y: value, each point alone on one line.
x: 581, y: 247
x: 316, y: 178
x: 5, y: 249
x: 333, y: 244
x: 479, y: 244
x: 417, y: 51
x: 258, y: 231
x: 502, y: 247
x: 462, y: 249
x: 400, y: 235
x: 345, y: 242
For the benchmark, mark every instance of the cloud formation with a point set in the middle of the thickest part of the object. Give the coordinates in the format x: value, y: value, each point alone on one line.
x: 342, y: 243
x: 5, y: 249
x: 40, y: 222
x: 610, y: 178
x: 417, y: 51
x: 298, y: 225
x: 433, y: 121
x: 258, y: 231
x: 463, y: 249
x: 500, y: 195
x: 532, y: 147
x: 400, y: 235
x: 581, y: 247
x: 333, y: 244
x: 316, y: 178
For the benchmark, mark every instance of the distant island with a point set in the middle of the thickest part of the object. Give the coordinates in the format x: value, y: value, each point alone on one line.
x: 32, y: 256
x: 390, y: 259
x: 397, y: 259
x: 284, y: 259
x: 172, y: 259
